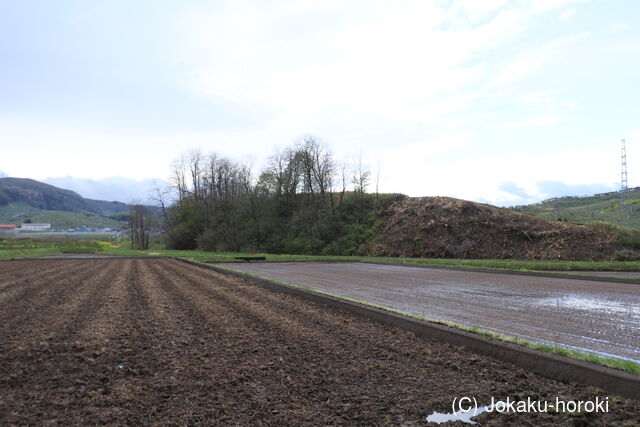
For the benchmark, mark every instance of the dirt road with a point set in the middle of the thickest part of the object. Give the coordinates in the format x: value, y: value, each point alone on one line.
x: 601, y: 317
x: 139, y: 341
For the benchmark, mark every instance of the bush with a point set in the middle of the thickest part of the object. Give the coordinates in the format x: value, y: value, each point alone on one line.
x: 182, y: 237
x: 601, y: 227
x: 625, y: 255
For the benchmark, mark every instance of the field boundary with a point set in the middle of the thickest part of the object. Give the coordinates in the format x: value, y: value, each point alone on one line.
x: 545, y: 364
x: 572, y: 276
x: 569, y: 275
x: 59, y: 257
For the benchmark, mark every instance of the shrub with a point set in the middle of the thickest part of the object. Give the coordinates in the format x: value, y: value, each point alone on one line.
x: 625, y: 255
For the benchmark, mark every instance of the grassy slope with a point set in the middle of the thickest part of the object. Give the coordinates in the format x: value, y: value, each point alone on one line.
x: 584, y: 210
x: 16, y: 213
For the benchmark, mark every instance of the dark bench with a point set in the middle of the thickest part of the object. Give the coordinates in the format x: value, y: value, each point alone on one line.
x: 251, y: 258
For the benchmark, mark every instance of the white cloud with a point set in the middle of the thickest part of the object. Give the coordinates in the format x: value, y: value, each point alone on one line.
x: 532, y: 59
x: 475, y: 10
x: 391, y: 75
x: 620, y: 27
x: 481, y: 178
x: 41, y: 149
x: 399, y: 64
x: 539, y: 121
x: 568, y: 15
x: 412, y: 83
x: 539, y: 97
x: 117, y: 188
x: 539, y: 6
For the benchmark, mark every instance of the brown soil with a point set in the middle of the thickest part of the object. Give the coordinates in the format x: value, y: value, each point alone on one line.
x: 452, y: 228
x: 134, y: 341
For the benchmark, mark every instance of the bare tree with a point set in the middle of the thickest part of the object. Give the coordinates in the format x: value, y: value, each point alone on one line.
x: 221, y: 205
x: 161, y: 196
x: 194, y: 159
x: 378, y: 169
x: 361, y: 176
x: 178, y: 177
x: 344, y: 167
x: 139, y: 226
x: 360, y: 180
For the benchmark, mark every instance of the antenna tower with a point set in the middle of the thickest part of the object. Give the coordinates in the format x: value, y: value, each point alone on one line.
x: 624, y: 186
x: 624, y: 182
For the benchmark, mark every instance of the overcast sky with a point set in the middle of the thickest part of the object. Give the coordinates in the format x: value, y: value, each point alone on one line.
x: 497, y: 101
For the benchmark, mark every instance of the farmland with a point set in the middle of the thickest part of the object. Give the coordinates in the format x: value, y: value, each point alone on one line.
x: 20, y: 212
x: 153, y: 340
x: 594, y: 316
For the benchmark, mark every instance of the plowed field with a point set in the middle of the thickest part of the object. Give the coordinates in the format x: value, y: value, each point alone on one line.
x: 134, y: 341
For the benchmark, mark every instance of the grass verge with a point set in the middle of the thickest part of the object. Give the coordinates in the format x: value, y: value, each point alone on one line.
x: 492, y: 264
x: 31, y: 248
x: 45, y: 246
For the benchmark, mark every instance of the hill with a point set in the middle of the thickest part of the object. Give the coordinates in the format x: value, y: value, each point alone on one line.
x: 583, y: 210
x: 22, y: 199
x: 47, y: 197
x: 443, y: 227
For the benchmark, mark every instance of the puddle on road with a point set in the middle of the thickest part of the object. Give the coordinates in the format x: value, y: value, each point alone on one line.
x: 577, y: 302
x: 464, y: 416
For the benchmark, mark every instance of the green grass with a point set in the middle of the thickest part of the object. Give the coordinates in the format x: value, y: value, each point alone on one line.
x: 31, y: 248
x: 34, y: 249
x: 517, y: 265
x: 16, y: 213
x: 585, y: 210
x: 620, y: 364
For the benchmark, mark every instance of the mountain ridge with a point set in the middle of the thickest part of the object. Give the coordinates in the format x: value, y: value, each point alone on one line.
x: 43, y: 196
x: 24, y: 199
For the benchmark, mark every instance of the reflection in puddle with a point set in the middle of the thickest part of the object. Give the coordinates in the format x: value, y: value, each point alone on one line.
x: 577, y: 302
x: 464, y: 416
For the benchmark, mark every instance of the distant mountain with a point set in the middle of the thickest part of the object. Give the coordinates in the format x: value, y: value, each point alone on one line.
x: 24, y: 199
x: 47, y: 197
x: 580, y: 210
x: 121, y: 189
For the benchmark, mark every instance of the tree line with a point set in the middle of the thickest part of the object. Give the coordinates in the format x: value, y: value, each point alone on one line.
x: 302, y: 201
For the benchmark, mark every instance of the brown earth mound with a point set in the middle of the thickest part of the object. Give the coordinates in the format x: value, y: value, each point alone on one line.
x: 452, y: 228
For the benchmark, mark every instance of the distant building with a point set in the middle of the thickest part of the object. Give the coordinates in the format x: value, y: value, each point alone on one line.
x: 7, y: 228
x: 34, y: 227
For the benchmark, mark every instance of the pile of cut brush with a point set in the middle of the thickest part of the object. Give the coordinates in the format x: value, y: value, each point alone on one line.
x: 443, y: 227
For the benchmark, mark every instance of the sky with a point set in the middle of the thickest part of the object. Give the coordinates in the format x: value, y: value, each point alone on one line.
x: 505, y: 102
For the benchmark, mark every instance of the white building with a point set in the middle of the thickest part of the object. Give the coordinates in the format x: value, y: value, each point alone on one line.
x: 34, y: 227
